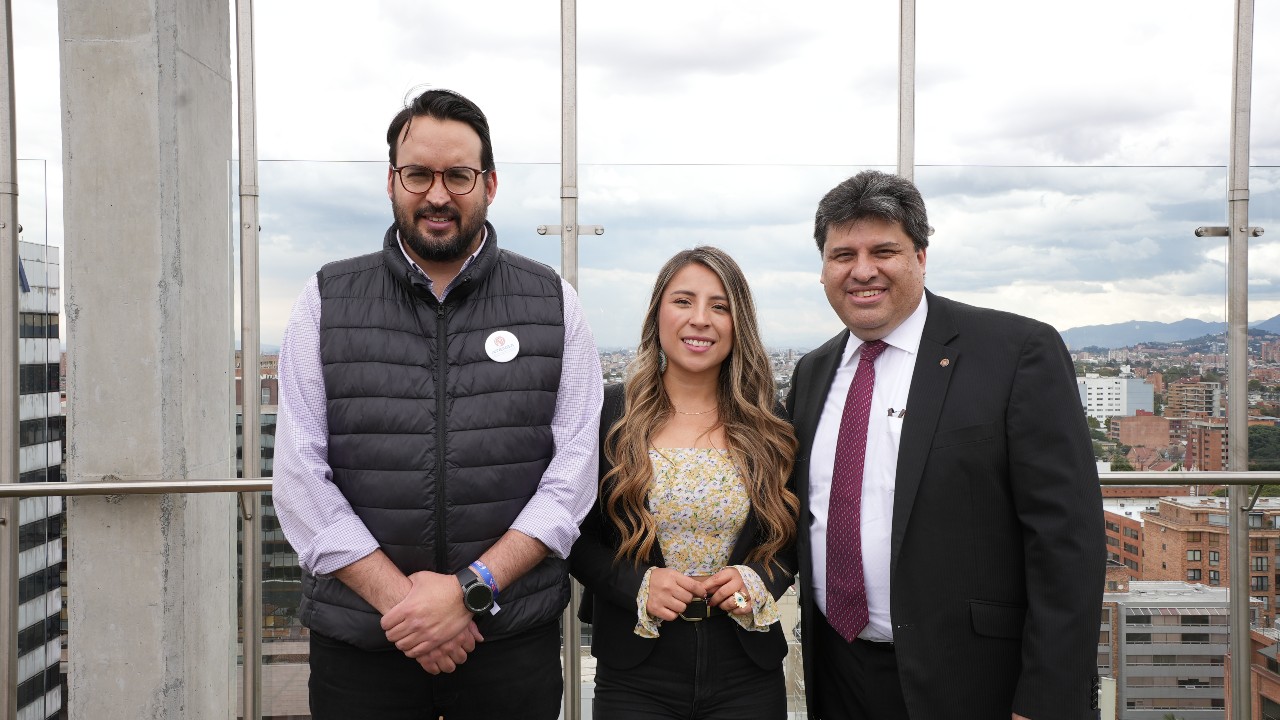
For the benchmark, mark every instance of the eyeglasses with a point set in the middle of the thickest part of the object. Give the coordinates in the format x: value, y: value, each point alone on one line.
x: 418, y: 179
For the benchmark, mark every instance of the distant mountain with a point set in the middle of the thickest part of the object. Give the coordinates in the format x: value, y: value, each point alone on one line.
x: 1135, y: 332
x: 1272, y: 325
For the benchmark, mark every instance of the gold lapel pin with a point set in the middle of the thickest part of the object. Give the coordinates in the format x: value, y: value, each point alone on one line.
x: 944, y: 362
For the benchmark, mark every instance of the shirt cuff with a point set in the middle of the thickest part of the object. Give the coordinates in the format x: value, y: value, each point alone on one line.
x: 547, y: 521
x: 764, y: 610
x: 646, y: 624
x: 337, y: 546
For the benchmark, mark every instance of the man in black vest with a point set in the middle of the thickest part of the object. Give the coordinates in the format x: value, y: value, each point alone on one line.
x: 436, y: 448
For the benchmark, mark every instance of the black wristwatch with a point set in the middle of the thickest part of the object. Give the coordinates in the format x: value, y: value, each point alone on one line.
x: 476, y: 595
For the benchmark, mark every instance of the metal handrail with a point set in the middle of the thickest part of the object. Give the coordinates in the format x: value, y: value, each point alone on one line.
x: 238, y: 485
x: 134, y: 487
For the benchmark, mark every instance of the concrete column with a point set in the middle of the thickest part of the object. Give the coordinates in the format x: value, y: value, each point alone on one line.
x: 146, y: 102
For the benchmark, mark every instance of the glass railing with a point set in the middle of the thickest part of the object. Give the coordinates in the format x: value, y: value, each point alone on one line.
x: 1073, y: 246
x: 283, y: 662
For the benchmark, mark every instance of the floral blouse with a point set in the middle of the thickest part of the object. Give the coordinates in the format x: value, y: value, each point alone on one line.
x: 700, y: 505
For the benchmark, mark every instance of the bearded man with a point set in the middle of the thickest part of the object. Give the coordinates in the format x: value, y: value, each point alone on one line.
x: 436, y: 447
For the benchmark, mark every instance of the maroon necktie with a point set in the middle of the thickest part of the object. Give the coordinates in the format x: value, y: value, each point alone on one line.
x: 846, y: 588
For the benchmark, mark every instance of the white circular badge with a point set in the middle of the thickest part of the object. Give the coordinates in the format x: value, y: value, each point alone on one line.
x: 502, y: 346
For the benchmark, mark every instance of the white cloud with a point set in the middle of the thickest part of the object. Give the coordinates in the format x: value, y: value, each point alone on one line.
x: 723, y: 122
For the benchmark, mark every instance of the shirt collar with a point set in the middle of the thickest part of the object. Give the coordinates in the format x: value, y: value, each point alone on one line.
x: 904, y: 337
x: 414, y: 266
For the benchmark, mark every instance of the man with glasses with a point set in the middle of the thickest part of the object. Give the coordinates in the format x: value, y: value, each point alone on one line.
x: 436, y: 449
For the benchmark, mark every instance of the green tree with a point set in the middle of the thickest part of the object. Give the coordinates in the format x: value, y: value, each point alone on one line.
x: 1264, y: 447
x: 1120, y: 463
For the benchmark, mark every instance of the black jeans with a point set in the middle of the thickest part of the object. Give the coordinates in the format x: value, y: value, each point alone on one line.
x: 697, y: 671
x: 515, y: 677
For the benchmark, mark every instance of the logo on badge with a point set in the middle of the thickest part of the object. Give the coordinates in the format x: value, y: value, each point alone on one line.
x: 502, y: 346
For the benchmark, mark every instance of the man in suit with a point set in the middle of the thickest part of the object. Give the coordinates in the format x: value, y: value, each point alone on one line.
x: 951, y: 544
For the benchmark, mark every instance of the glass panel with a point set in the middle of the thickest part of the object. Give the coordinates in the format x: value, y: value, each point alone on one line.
x: 41, y: 550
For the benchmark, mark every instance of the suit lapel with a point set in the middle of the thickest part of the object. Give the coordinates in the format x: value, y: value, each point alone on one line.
x: 935, y: 363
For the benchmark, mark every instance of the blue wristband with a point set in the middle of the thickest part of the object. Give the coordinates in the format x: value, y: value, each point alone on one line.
x: 483, y: 573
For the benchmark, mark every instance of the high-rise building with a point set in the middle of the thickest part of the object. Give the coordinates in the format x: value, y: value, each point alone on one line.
x: 1104, y: 397
x: 1193, y: 399
x: 1206, y: 446
x: 1270, y: 352
x: 1165, y: 643
x: 41, y: 538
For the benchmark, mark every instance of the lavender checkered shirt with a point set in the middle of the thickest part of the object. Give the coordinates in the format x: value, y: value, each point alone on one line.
x: 319, y: 522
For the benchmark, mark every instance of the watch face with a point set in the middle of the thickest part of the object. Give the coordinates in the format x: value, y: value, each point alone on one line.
x: 478, y: 597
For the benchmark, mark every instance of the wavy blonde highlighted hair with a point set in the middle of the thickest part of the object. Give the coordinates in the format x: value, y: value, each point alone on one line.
x: 761, y: 445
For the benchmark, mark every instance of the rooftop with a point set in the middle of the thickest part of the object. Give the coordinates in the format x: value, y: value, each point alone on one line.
x: 1169, y: 592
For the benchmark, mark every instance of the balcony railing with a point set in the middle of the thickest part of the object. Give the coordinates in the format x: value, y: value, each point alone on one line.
x: 252, y: 611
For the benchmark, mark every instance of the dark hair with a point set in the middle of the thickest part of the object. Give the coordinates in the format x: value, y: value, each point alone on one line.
x: 442, y: 105
x: 873, y: 194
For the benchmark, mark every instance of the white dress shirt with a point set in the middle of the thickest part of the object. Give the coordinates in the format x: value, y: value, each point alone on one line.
x: 317, y: 519
x: 894, y: 369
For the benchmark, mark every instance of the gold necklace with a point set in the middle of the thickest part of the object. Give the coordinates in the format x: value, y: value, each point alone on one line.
x: 704, y: 412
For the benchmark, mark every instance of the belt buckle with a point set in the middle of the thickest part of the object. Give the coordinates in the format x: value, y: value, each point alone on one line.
x: 696, y: 613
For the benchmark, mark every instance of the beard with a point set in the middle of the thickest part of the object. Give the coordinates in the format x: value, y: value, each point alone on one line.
x: 436, y: 248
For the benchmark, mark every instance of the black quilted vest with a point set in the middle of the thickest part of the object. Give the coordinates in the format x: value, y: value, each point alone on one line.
x: 436, y: 446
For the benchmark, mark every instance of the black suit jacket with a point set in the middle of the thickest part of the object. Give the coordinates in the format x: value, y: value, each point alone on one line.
x: 997, y: 557
x: 609, y: 597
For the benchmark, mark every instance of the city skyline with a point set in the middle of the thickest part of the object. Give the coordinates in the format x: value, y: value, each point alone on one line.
x: 1071, y: 200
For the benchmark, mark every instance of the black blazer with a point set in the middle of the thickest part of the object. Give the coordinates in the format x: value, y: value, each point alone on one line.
x: 609, y: 596
x: 997, y: 555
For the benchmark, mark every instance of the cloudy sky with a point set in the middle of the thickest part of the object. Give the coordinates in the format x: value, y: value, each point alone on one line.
x: 1066, y: 151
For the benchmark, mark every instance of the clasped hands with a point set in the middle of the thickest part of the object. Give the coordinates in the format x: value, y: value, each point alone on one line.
x: 431, y: 625
x: 671, y: 592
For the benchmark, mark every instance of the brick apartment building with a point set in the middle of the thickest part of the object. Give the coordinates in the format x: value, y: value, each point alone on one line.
x: 1207, y: 443
x: 1152, y: 492
x: 1264, y: 681
x: 1156, y: 378
x: 1187, y: 539
x: 1206, y: 446
x: 1270, y: 352
x: 1191, y: 398
x: 1142, y: 430
x: 1124, y: 538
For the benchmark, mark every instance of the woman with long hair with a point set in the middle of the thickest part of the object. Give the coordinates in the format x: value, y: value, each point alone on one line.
x: 691, y: 542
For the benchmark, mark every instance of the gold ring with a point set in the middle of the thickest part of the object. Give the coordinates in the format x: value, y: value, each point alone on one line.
x: 739, y: 599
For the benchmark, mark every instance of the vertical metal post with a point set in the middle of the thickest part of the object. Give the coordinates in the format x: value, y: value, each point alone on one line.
x: 8, y: 376
x: 1238, y: 355
x: 569, y: 141
x: 250, y: 383
x: 907, y: 90
x: 572, y: 651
